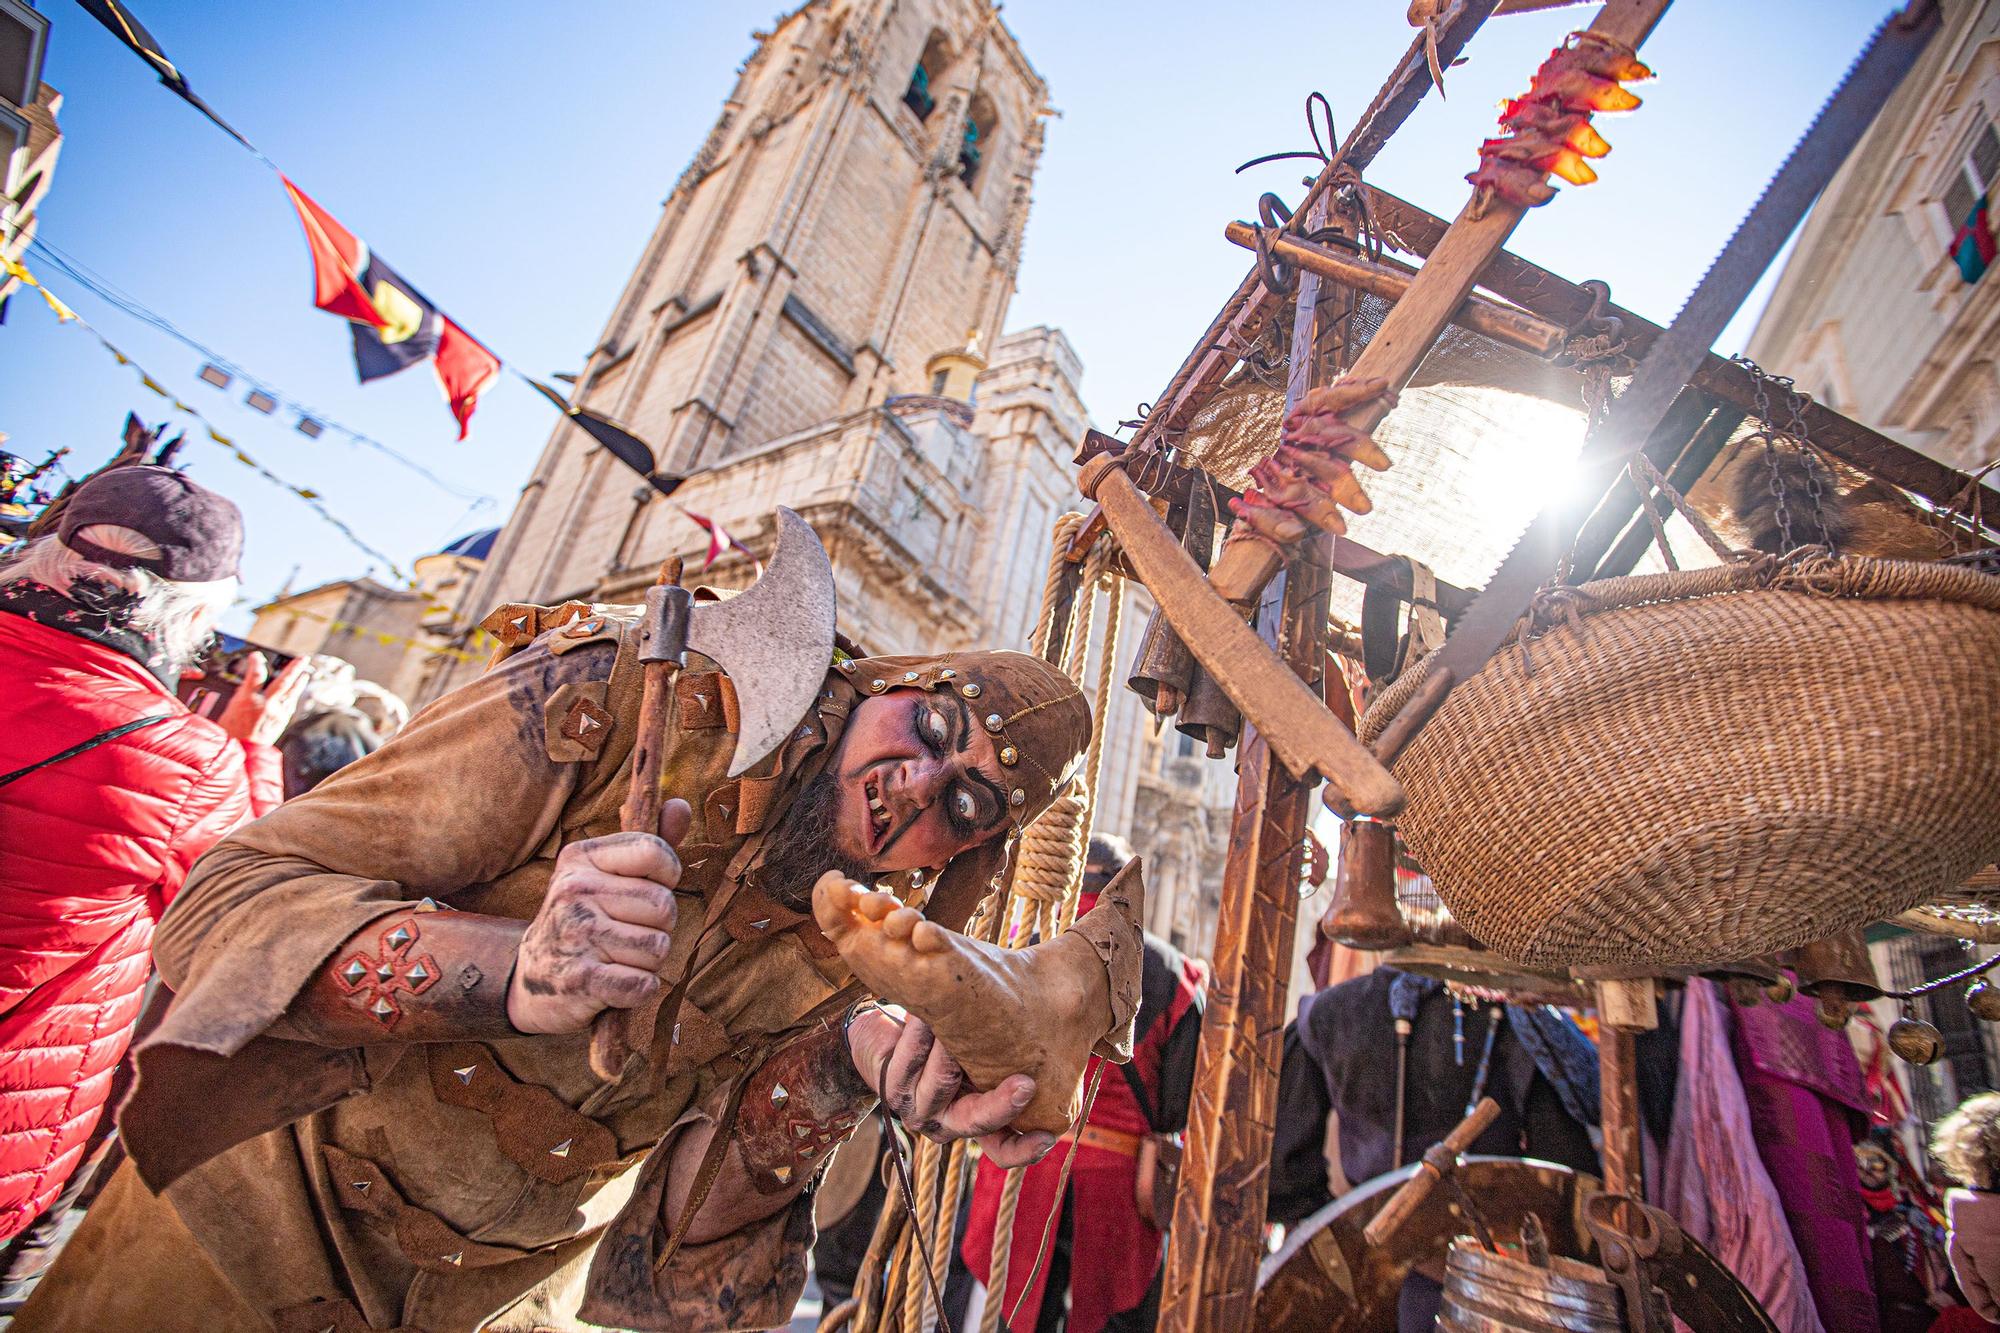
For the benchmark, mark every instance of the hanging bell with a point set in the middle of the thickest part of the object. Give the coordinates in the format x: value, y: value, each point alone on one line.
x: 1916, y: 1041
x: 1983, y: 999
x: 1209, y: 716
x: 1782, y: 990
x: 1837, y: 965
x: 1833, y: 1011
x: 1365, y: 914
x: 1162, y: 670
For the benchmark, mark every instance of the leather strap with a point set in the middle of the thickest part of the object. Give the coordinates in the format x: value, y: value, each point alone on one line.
x: 81, y: 746
x: 1108, y: 1140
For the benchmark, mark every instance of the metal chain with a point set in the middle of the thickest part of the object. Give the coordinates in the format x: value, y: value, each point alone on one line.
x: 1798, y: 435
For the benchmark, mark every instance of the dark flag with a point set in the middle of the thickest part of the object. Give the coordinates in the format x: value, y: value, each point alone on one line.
x: 395, y: 325
x: 620, y: 443
x: 114, y: 15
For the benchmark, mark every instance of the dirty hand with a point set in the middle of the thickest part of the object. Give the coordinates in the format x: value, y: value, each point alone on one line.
x: 922, y: 1086
x: 256, y: 714
x: 604, y: 929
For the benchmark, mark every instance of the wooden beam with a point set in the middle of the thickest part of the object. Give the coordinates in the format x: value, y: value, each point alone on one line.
x: 1413, y: 324
x: 1622, y: 499
x: 1502, y: 323
x: 1555, y: 298
x: 1685, y: 472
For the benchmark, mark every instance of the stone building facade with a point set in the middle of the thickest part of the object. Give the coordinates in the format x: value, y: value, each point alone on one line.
x: 30, y: 140
x: 816, y: 322
x: 1871, y: 314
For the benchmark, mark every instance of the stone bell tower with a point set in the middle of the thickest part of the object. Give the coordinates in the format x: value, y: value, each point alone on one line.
x: 855, y: 213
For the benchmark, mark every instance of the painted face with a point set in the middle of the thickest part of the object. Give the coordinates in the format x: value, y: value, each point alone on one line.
x: 920, y: 781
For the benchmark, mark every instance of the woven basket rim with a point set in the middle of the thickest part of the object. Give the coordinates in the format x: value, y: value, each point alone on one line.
x: 1809, y: 572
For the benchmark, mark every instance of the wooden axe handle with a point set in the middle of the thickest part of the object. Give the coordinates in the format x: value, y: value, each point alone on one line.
x: 617, y: 1033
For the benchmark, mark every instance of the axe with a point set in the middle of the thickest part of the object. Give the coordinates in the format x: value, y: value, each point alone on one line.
x: 775, y: 642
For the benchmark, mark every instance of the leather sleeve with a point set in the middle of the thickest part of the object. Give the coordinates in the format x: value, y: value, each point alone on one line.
x: 465, y: 793
x: 423, y: 975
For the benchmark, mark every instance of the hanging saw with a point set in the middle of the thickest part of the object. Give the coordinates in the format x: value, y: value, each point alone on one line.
x: 1674, y: 357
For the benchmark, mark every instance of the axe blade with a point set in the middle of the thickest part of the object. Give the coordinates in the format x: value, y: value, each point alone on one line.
x: 775, y: 640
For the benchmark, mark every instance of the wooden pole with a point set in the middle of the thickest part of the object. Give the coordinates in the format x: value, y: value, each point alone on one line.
x: 1219, y: 1210
x: 1624, y: 1009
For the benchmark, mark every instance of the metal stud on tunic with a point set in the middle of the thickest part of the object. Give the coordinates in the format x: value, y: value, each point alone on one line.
x: 561, y: 1149
x: 783, y: 1173
x: 354, y: 971
x: 465, y: 1074
x: 455, y: 1258
x: 779, y: 1094
x: 399, y: 937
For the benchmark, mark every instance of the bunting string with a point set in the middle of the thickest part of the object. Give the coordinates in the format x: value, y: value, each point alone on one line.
x: 480, y: 638
x: 81, y: 274
x: 64, y: 314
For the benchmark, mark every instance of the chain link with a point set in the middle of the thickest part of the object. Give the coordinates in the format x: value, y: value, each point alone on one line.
x: 1798, y: 436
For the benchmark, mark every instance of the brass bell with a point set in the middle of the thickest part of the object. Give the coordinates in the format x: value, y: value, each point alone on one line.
x: 1916, y: 1041
x: 1163, y: 669
x: 1782, y: 990
x: 1984, y: 1000
x: 1837, y: 965
x: 1833, y: 1011
x: 1209, y: 716
x: 1365, y: 914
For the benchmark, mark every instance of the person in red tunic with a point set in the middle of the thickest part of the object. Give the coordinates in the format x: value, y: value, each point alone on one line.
x: 1120, y: 1187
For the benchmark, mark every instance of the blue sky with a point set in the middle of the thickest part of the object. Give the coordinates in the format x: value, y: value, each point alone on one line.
x: 509, y: 158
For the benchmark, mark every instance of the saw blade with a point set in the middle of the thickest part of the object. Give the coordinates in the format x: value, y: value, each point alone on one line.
x: 1675, y: 356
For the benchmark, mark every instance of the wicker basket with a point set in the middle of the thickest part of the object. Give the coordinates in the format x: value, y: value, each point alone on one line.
x: 1694, y: 767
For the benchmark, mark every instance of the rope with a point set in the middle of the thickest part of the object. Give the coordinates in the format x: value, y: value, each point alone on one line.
x: 1040, y: 894
x: 916, y: 1295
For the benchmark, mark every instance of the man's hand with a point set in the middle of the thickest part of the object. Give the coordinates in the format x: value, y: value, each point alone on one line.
x: 604, y: 928
x: 256, y: 714
x: 922, y: 1086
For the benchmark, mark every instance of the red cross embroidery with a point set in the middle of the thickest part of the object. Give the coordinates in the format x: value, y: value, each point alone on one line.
x: 373, y: 982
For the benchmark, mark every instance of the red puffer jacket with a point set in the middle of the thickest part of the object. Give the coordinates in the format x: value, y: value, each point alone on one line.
x: 91, y: 851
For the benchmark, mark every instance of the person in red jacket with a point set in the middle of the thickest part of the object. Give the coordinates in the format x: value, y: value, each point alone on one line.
x: 1100, y: 1266
x: 109, y: 790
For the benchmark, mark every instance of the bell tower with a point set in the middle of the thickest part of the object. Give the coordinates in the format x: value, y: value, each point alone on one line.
x: 857, y: 206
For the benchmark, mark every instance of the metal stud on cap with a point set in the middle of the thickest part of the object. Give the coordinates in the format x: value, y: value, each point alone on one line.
x: 1009, y: 755
x: 909, y: 677
x: 877, y: 686
x: 947, y: 674
x: 970, y: 689
x: 994, y: 722
x: 1017, y: 797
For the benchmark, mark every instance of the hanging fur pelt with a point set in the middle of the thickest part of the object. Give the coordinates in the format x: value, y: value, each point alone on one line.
x: 1862, y: 516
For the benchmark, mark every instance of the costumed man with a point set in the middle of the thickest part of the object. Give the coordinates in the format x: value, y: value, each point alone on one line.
x: 1394, y: 1041
x: 1906, y: 1238
x: 371, y: 1104
x: 1120, y: 1195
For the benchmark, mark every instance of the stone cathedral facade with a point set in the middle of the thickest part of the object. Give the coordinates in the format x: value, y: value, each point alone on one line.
x: 817, y: 321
